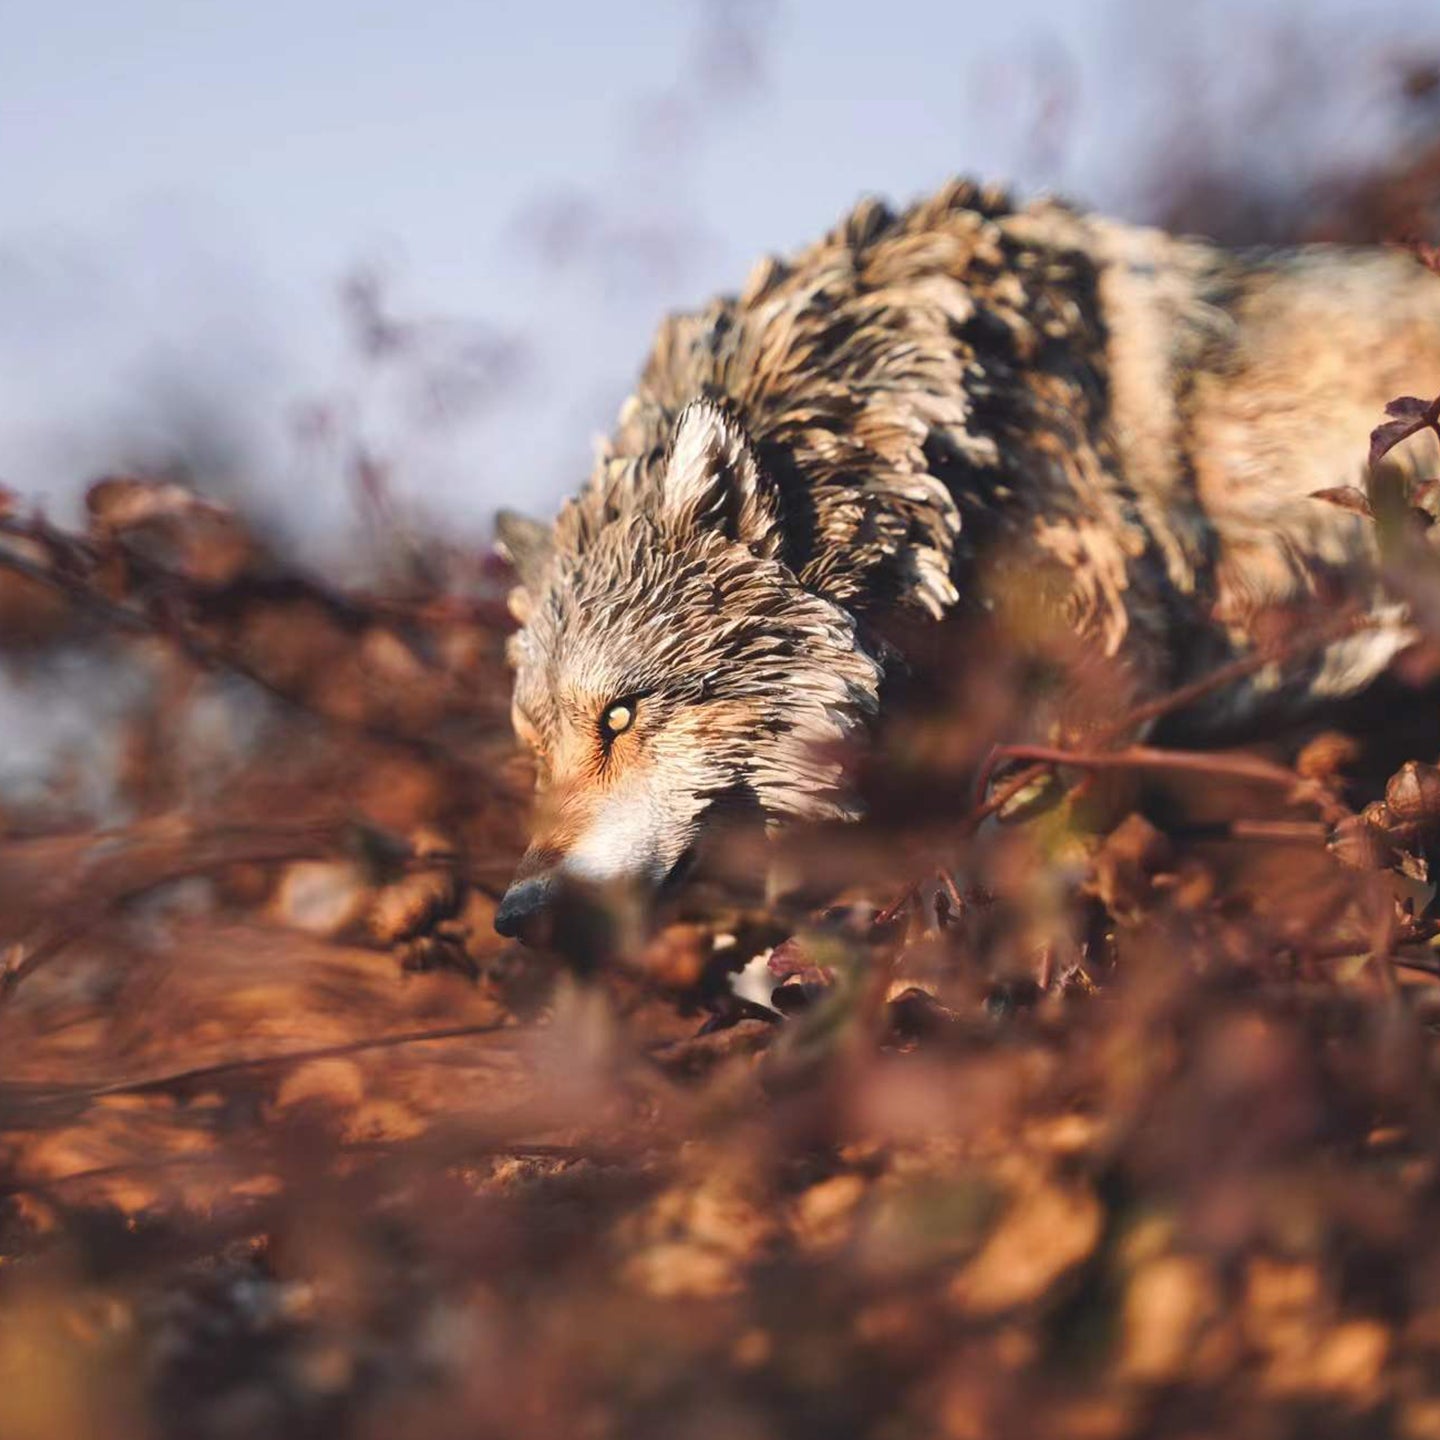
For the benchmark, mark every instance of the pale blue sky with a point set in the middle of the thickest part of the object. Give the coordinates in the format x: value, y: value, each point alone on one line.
x: 184, y: 184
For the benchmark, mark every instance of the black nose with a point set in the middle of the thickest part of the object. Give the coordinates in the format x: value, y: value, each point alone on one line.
x: 522, y: 906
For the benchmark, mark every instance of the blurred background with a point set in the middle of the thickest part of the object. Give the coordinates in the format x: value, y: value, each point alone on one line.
x: 260, y: 244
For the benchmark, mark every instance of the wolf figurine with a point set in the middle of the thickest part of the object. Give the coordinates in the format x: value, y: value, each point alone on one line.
x: 849, y: 436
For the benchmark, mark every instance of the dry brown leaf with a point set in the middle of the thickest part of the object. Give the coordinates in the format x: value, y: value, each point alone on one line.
x: 1047, y: 1231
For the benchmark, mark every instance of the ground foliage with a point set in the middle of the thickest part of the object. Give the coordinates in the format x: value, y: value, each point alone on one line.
x: 1105, y: 1101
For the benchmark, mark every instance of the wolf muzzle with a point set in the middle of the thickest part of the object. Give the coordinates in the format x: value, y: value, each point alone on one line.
x: 525, y: 906
x: 587, y: 923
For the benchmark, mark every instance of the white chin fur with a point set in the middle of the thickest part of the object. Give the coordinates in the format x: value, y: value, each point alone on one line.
x: 619, y: 846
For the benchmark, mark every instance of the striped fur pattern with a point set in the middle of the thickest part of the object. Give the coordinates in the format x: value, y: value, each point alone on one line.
x: 858, y: 430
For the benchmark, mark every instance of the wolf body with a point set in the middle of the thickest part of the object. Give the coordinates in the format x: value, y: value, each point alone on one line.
x: 854, y: 433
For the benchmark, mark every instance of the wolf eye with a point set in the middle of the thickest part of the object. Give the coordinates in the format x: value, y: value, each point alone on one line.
x: 617, y: 719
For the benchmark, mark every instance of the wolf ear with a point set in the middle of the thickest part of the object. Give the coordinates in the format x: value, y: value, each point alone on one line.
x: 713, y: 480
x: 527, y: 544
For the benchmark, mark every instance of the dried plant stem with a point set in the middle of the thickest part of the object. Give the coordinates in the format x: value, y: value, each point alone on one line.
x: 170, y: 858
x: 1348, y: 622
x: 39, y: 1094
x: 1277, y: 832
x: 72, y: 582
x: 477, y: 1148
x: 1149, y: 757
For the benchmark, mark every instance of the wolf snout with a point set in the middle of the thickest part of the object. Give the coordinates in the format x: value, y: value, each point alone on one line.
x: 524, y: 906
x: 587, y: 923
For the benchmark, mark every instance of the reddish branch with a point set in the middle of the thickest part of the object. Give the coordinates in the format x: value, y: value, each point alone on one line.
x: 1149, y: 757
x: 1347, y: 623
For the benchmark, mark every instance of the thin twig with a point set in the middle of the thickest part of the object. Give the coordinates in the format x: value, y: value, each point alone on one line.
x: 80, y: 914
x: 477, y: 1149
x: 1348, y: 622
x: 1279, y: 832
x: 1339, y: 627
x: 37, y: 1093
x: 1221, y: 765
x: 1150, y: 757
x: 84, y: 596
x: 885, y: 916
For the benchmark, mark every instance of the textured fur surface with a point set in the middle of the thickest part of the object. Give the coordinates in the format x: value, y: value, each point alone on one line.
x: 855, y: 431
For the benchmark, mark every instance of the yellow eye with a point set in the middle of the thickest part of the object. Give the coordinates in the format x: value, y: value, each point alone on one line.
x: 617, y: 719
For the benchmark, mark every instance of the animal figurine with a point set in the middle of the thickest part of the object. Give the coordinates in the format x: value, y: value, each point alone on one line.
x: 854, y: 434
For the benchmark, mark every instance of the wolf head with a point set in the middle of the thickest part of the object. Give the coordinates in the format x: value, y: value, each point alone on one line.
x: 670, y: 665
